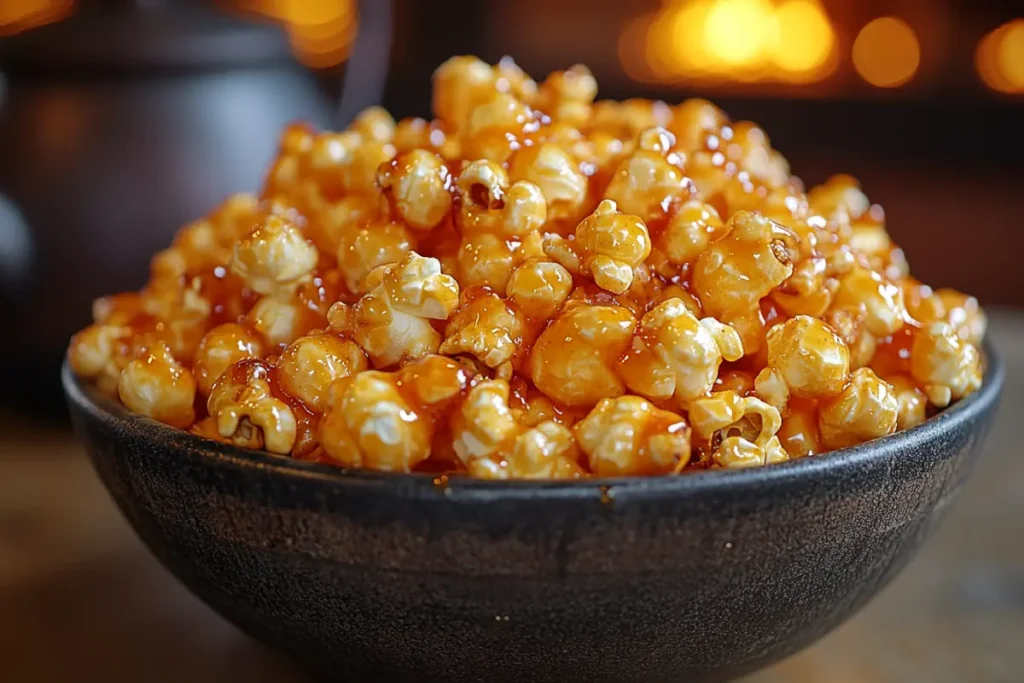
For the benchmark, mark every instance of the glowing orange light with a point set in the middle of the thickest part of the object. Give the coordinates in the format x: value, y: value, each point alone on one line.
x: 20, y: 15
x: 738, y: 32
x: 1000, y: 58
x: 886, y: 52
x: 805, y: 40
x: 740, y: 40
x: 321, y: 32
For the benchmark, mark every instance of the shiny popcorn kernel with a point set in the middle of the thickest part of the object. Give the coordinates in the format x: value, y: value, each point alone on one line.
x: 535, y: 284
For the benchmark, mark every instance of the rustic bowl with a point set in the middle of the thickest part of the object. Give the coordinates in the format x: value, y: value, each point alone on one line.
x: 377, y: 577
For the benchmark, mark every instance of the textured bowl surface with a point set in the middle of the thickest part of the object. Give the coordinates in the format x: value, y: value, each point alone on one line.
x: 382, y: 577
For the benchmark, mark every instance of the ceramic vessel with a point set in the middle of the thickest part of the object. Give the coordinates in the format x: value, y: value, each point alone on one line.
x: 379, y: 577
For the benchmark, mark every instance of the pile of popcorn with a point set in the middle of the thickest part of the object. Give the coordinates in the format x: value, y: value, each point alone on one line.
x: 536, y: 284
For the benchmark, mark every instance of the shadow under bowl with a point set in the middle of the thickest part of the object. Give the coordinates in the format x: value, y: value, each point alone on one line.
x: 364, y: 576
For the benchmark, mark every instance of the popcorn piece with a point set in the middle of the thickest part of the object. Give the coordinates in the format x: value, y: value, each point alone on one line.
x: 573, y: 361
x: 648, y: 181
x: 808, y: 357
x: 158, y: 386
x: 392, y: 321
x: 539, y: 288
x: 676, y: 355
x: 546, y: 451
x: 946, y: 366
x: 485, y: 326
x: 275, y: 257
x: 419, y: 186
x: 866, y: 409
x: 363, y: 249
x: 246, y: 412
x: 368, y: 424
x: 309, y: 365
x: 629, y: 436
x: 484, y: 422
x: 612, y: 245
x: 220, y: 348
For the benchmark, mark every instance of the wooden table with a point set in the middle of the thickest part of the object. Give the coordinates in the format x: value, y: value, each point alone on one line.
x: 81, y: 599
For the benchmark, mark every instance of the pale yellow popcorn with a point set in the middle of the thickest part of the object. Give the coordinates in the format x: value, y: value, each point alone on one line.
x: 839, y: 199
x: 392, y: 321
x: 419, y: 187
x: 491, y: 204
x: 346, y: 163
x: 729, y: 414
x: 866, y: 409
x: 964, y: 314
x: 275, y: 257
x: 367, y: 423
x: 222, y: 347
x: 946, y: 366
x: 377, y: 244
x: 881, y: 301
x: 612, y: 245
x: 681, y: 354
x: 693, y: 119
x: 435, y: 381
x: 485, y: 260
x: 747, y: 427
x: 689, y: 231
x: 564, y: 252
x: 558, y: 176
x: 484, y: 422
x: 770, y: 386
x: 491, y: 126
x: 539, y: 288
x: 849, y: 325
x: 911, y: 401
x: 375, y: 123
x: 158, y: 386
x: 736, y: 272
x: 732, y: 275
x: 629, y: 436
x: 331, y: 222
x: 460, y: 84
x: 495, y: 220
x: 567, y: 95
x: 486, y: 326
x: 647, y: 182
x: 809, y: 358
x: 545, y: 451
x: 574, y: 360
x: 247, y: 413
x: 98, y: 352
x: 417, y: 286
x: 309, y: 365
x: 736, y: 452
x: 278, y: 320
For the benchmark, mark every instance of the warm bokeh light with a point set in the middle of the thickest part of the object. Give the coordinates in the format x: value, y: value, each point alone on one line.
x: 321, y: 31
x: 740, y: 32
x: 730, y: 40
x: 1000, y: 58
x: 886, y: 52
x: 805, y: 38
x: 20, y: 15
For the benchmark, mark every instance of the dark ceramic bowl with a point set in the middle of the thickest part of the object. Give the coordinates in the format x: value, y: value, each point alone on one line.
x: 379, y: 577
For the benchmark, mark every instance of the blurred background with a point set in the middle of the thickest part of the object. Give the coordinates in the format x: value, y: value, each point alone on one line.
x: 121, y: 120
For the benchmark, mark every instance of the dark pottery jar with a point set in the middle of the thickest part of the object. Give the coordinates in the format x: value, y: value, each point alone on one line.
x: 117, y: 126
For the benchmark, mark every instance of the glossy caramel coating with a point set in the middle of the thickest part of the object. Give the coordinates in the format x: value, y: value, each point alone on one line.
x: 536, y: 284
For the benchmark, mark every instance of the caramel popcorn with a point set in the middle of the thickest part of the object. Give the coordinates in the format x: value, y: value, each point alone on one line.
x: 536, y: 284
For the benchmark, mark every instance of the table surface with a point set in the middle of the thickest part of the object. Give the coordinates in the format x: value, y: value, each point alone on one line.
x: 81, y: 599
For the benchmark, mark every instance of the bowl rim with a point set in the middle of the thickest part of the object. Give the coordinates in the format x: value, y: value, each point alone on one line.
x: 104, y: 409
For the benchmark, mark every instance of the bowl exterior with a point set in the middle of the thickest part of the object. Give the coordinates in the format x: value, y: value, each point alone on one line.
x: 404, y: 578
